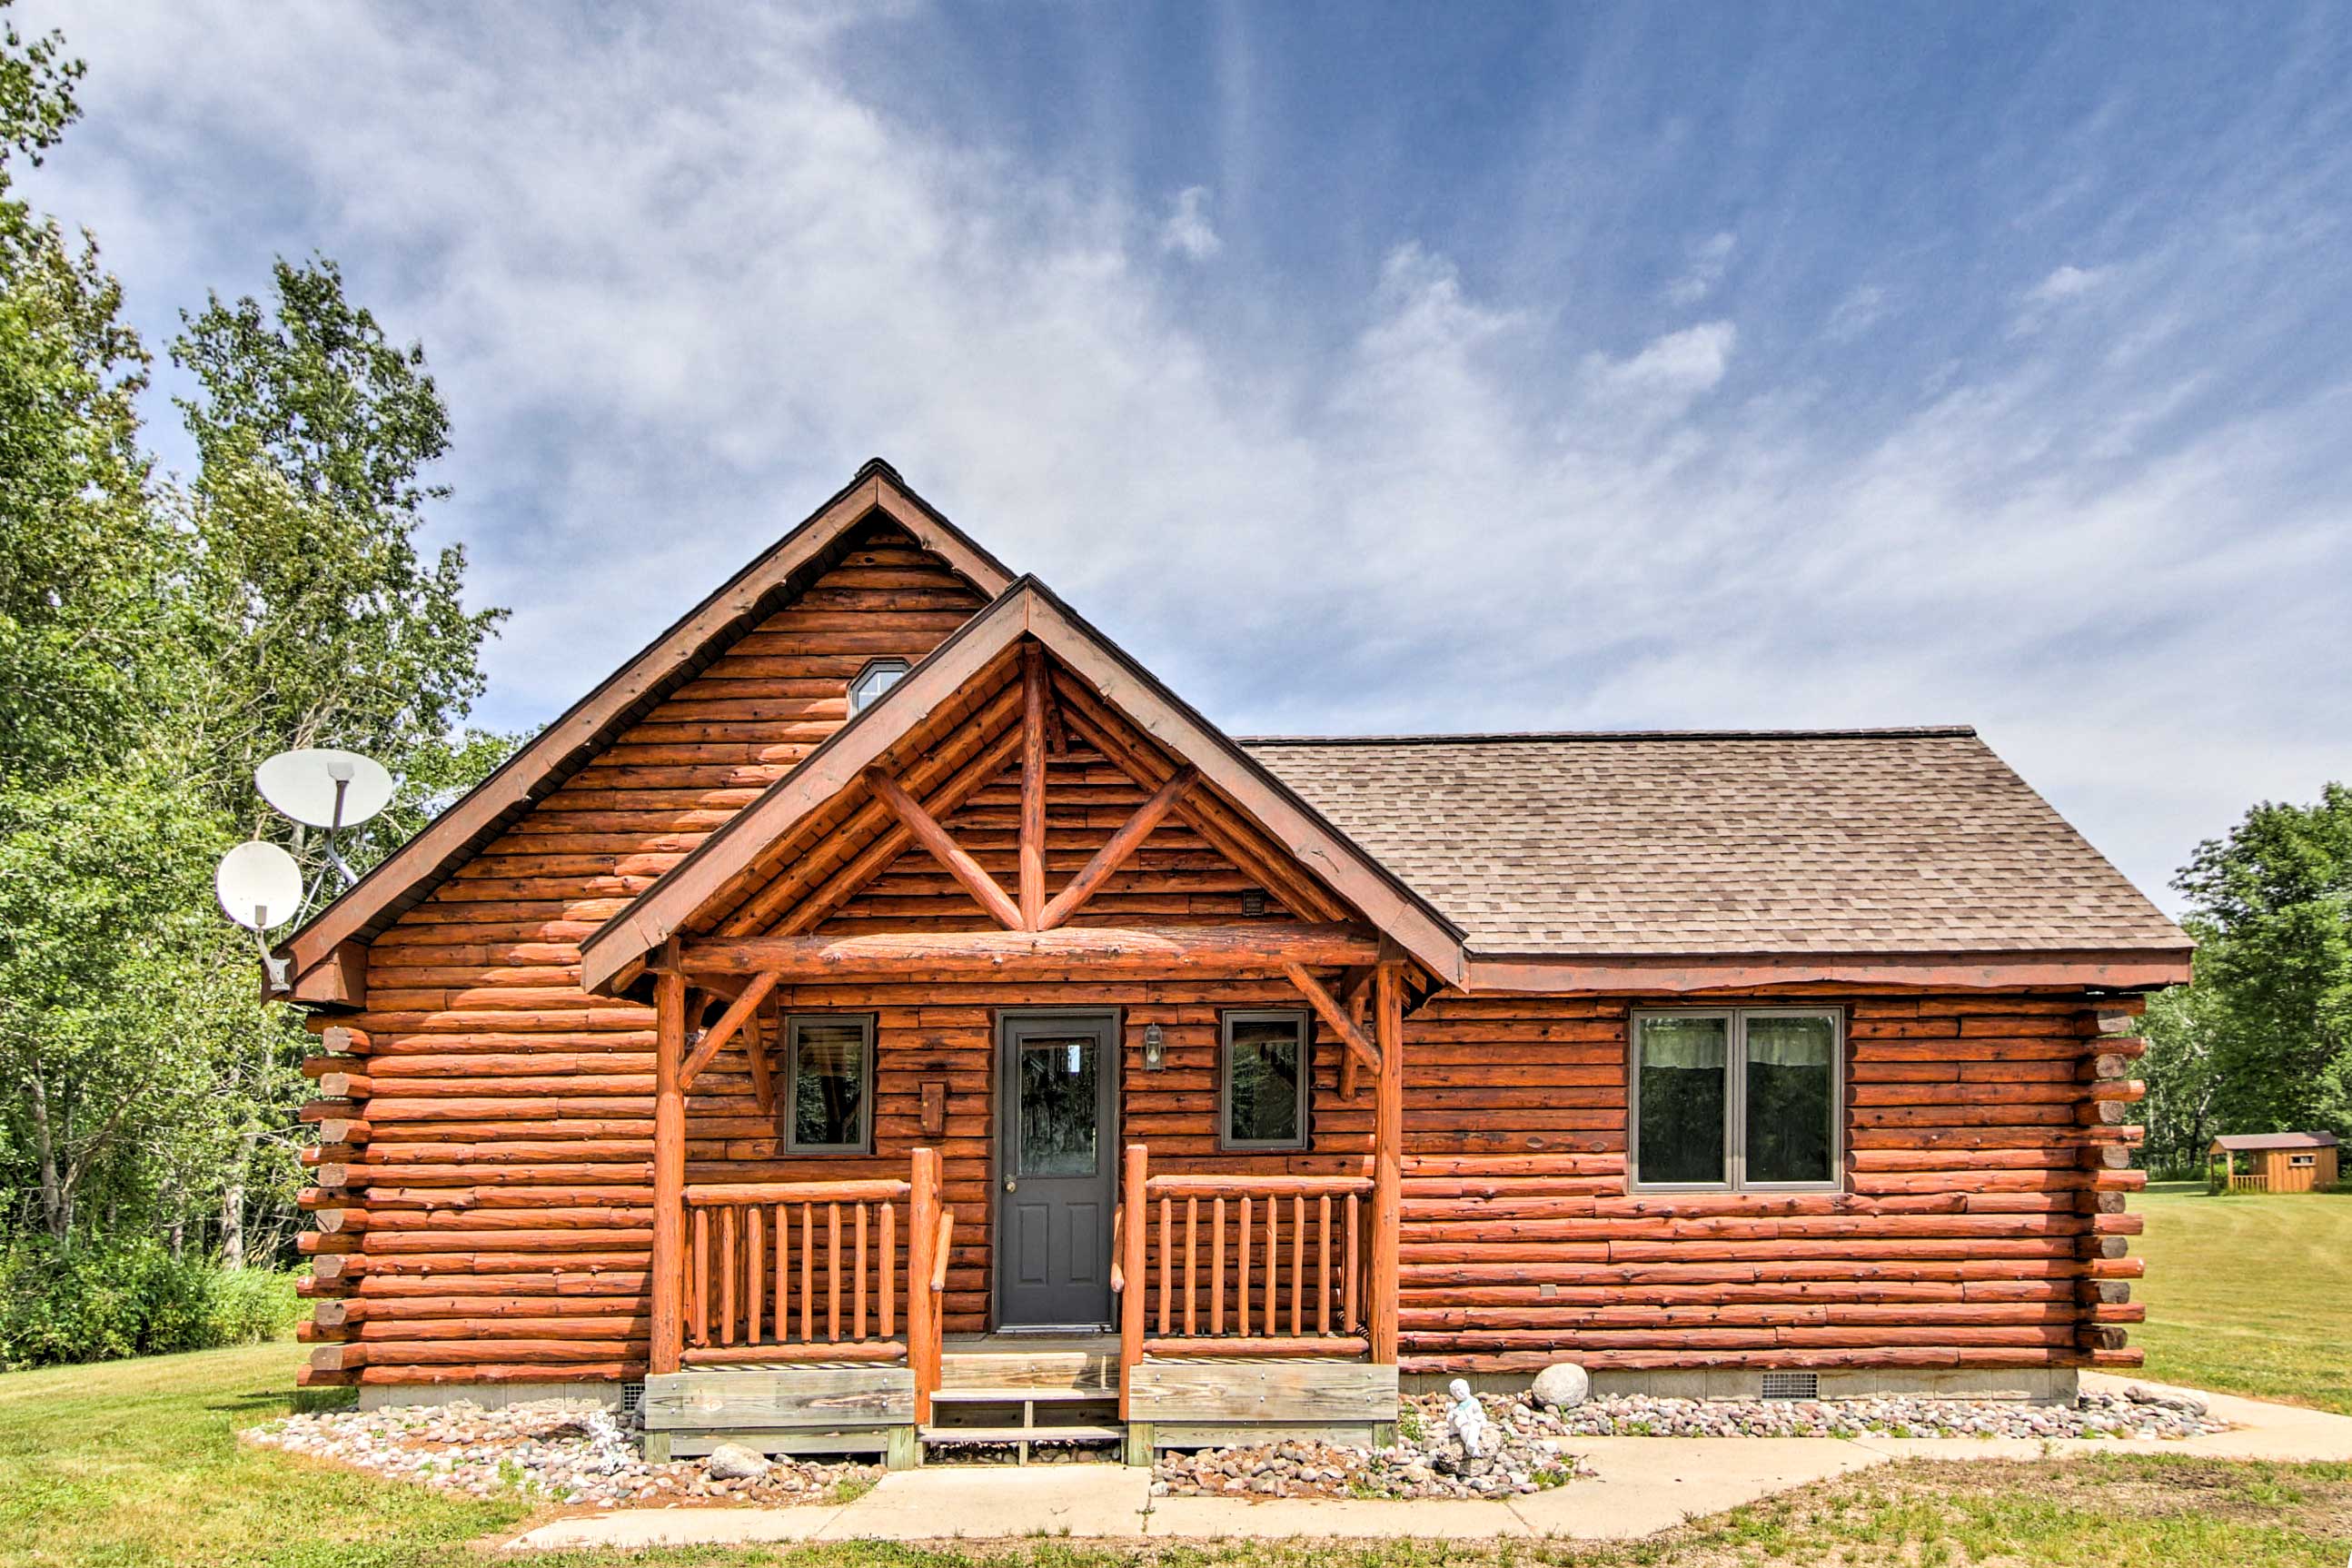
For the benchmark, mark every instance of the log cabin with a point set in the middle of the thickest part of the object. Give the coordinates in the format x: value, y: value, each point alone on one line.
x: 882, y: 1014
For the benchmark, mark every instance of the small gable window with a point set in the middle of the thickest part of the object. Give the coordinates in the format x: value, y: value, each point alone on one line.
x: 1262, y: 1079
x: 829, y: 1099
x: 879, y: 676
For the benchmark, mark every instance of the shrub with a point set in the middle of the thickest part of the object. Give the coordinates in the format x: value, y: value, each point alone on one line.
x: 94, y: 1302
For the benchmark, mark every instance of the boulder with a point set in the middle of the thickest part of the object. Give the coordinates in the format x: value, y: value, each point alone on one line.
x: 734, y: 1462
x: 1562, y: 1384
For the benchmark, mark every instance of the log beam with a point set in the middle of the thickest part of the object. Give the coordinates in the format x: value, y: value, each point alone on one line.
x: 1033, y: 785
x: 1333, y: 1016
x: 1122, y: 845
x: 715, y: 1039
x: 942, y: 847
x: 1096, y: 949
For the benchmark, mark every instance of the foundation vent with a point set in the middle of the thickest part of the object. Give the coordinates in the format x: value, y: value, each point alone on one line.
x: 1792, y: 1386
x: 633, y: 1397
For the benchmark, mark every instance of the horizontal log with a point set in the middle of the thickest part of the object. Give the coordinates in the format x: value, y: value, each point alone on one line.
x: 1104, y: 950
x: 725, y: 1193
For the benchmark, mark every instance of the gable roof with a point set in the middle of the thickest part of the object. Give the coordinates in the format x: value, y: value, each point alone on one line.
x: 1649, y: 845
x: 2240, y: 1142
x: 703, y: 880
x: 779, y: 574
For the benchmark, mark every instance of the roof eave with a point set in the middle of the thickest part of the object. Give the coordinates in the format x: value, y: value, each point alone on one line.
x: 2135, y: 968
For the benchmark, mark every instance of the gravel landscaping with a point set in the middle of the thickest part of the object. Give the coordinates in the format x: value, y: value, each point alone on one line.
x: 563, y: 1451
x: 1534, y: 1443
x: 581, y: 1454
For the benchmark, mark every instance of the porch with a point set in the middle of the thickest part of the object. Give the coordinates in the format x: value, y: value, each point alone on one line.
x: 808, y: 1319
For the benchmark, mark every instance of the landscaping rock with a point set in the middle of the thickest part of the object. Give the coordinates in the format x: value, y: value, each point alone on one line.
x: 734, y: 1462
x: 576, y: 1452
x: 1563, y: 1385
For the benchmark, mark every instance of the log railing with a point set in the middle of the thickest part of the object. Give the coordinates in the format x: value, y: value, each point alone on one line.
x: 1257, y: 1265
x: 782, y: 1271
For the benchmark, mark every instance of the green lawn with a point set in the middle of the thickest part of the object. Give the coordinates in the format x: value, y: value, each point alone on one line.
x: 2249, y: 1294
x: 136, y: 1463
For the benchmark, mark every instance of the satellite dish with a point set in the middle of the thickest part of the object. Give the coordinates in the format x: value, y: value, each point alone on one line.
x: 259, y: 884
x: 324, y: 787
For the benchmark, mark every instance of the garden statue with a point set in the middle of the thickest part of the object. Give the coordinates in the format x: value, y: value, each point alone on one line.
x: 1467, y: 1422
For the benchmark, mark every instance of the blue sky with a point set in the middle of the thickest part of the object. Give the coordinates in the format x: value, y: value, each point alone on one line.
x: 1368, y: 368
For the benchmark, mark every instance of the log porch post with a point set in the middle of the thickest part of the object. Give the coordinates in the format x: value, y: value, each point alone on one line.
x: 669, y: 1169
x: 1131, y: 1266
x: 922, y: 1307
x: 1388, y: 1155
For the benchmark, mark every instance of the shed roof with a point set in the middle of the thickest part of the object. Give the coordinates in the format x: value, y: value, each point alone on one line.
x: 1753, y: 842
x: 2241, y: 1143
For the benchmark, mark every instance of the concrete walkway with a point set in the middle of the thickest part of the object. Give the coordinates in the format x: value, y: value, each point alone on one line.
x: 1638, y: 1487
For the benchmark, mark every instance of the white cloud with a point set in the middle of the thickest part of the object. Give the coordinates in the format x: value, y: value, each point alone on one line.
x: 2068, y: 282
x: 1187, y: 231
x: 1709, y: 259
x: 677, y: 283
x: 1856, y: 313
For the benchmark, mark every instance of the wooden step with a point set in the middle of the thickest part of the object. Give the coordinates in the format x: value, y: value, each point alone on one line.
x: 1057, y: 1364
x: 1022, y: 1395
x: 1025, y: 1433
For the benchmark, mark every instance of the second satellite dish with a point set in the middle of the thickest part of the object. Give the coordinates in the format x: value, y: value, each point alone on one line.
x: 259, y: 884
x: 324, y: 787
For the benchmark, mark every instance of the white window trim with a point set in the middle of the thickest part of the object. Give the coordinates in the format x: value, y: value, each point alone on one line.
x: 791, y: 1103
x: 1226, y: 1018
x: 1735, y: 1112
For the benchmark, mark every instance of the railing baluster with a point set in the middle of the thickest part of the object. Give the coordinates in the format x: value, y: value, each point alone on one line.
x: 889, y: 1265
x: 1323, y: 1264
x: 1348, y: 1290
x: 1167, y: 1262
x: 1217, y: 1264
x: 1192, y: 1224
x: 727, y: 1275
x: 1244, y: 1248
x: 833, y: 1273
x: 1297, y: 1266
x: 700, y: 1293
x: 752, y: 1269
x: 808, y: 1273
x: 785, y: 1278
x: 1273, y: 1266
x: 859, y: 1315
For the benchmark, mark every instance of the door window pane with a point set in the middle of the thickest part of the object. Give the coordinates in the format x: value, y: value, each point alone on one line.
x: 1265, y: 1104
x: 1058, y: 1106
x: 832, y: 1060
x: 1684, y: 1094
x: 1791, y: 1098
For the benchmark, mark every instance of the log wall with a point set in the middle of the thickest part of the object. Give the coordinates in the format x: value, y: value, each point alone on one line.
x: 483, y: 1189
x: 1982, y: 1222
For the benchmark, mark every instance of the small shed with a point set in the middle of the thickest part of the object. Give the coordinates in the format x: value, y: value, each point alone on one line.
x: 2273, y: 1162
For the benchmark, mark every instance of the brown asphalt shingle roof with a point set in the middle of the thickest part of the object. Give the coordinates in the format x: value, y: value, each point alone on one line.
x: 1853, y: 842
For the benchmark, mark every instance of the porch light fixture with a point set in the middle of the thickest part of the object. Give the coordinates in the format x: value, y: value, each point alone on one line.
x: 1155, y: 1048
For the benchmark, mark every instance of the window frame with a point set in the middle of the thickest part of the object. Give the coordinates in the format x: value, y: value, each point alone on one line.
x: 789, y: 1104
x: 1735, y: 1099
x: 1305, y: 1021
x: 904, y: 665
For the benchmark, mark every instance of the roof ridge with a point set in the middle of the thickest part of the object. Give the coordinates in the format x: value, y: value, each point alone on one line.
x: 1483, y: 737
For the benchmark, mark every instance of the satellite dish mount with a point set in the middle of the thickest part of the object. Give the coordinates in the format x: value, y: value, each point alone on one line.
x: 260, y: 885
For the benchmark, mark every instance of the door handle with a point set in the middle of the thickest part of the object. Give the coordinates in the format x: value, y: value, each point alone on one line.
x: 1010, y: 1184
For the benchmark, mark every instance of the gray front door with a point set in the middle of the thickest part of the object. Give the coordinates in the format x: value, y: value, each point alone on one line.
x: 1057, y: 1168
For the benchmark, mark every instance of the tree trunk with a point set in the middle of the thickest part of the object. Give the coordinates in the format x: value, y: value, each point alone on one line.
x: 233, y: 1197
x: 57, y: 1199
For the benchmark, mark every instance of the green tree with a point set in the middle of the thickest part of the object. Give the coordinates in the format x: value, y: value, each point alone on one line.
x: 2272, y: 903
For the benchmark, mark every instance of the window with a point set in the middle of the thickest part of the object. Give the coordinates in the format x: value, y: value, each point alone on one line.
x: 829, y: 1099
x: 2303, y: 1159
x: 1262, y: 1079
x: 879, y: 676
x: 1742, y: 1099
